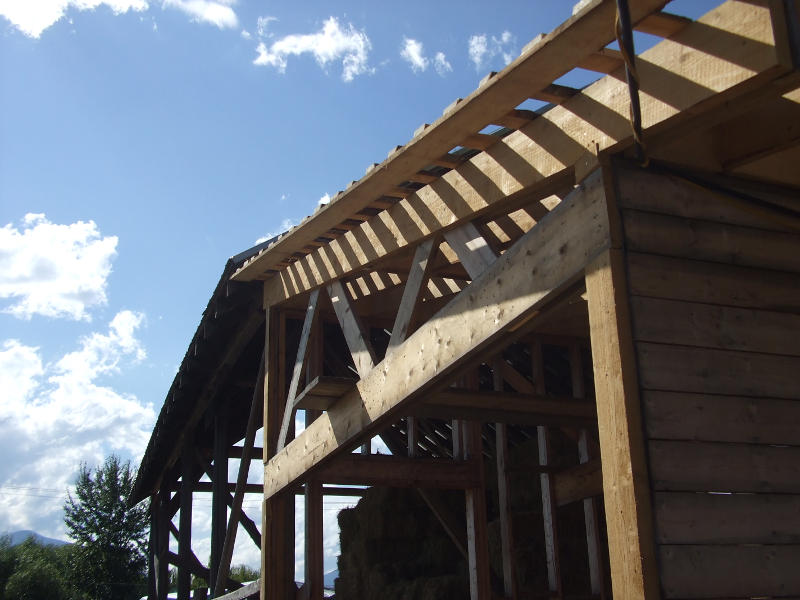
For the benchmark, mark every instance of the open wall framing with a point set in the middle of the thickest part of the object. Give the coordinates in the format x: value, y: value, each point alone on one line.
x: 638, y: 325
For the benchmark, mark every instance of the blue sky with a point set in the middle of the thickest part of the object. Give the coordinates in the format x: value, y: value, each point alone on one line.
x: 142, y: 143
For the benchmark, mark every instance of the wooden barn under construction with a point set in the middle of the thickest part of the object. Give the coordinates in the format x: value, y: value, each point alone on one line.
x: 597, y: 301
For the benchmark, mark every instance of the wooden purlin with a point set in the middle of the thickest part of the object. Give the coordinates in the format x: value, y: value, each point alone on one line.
x: 680, y: 77
x: 503, y: 297
x: 541, y: 62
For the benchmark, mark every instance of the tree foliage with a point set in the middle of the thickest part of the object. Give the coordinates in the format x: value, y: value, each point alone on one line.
x: 109, y: 557
x: 33, y: 571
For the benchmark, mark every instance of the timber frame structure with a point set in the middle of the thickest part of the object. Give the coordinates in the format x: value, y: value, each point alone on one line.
x: 473, y: 291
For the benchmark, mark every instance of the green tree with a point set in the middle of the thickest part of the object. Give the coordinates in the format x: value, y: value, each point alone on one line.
x: 109, y: 557
x: 32, y: 571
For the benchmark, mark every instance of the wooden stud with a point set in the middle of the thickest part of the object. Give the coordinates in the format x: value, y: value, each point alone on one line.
x: 411, y: 293
x: 354, y: 332
x: 185, y: 523
x: 219, y: 508
x: 546, y: 482
x: 590, y: 505
x: 504, y: 496
x: 472, y: 250
x: 634, y: 573
x: 302, y: 350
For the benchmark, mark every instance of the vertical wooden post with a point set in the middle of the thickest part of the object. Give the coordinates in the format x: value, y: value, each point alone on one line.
x: 634, y: 572
x: 503, y: 496
x: 590, y: 505
x: 219, y: 495
x: 152, y: 550
x: 185, y: 520
x: 548, y: 498
x: 477, y: 527
x: 468, y: 445
x: 160, y: 562
x: 277, y: 540
x: 314, y: 558
x: 412, y: 435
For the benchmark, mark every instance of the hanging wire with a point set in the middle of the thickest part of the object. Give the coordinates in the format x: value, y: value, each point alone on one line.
x: 624, y: 33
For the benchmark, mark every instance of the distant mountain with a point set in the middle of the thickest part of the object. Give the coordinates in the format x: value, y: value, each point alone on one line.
x: 330, y: 577
x: 17, y: 537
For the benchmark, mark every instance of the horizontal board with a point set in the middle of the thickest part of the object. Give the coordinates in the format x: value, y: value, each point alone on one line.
x: 714, y: 418
x: 729, y: 571
x: 689, y: 518
x: 673, y: 195
x: 712, y: 283
x: 707, y: 371
x: 719, y: 467
x: 714, y: 326
x: 717, y: 242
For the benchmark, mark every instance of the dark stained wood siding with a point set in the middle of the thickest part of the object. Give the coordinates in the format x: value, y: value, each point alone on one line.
x: 714, y: 287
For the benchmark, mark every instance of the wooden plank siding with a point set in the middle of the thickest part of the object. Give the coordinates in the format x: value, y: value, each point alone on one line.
x: 714, y: 291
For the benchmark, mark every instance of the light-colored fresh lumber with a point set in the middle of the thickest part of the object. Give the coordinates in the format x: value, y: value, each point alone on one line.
x: 473, y: 252
x: 539, y: 265
x: 323, y: 391
x: 539, y: 65
x: 354, y: 331
x: 703, y: 71
x: 417, y: 277
x: 626, y: 489
x: 297, y: 370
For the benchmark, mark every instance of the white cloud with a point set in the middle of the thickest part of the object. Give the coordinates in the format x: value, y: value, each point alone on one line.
x: 324, y: 200
x: 32, y: 18
x: 441, y: 64
x: 285, y: 225
x: 332, y: 43
x: 56, y: 415
x: 245, y: 34
x: 54, y: 270
x: 263, y: 24
x: 215, y: 12
x: 482, y: 49
x: 413, y: 54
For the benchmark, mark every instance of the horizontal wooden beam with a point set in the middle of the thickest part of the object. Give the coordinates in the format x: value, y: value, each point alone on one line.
x: 689, y: 74
x: 398, y: 471
x: 207, y: 486
x: 501, y: 407
x: 531, y: 272
x: 578, y: 482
